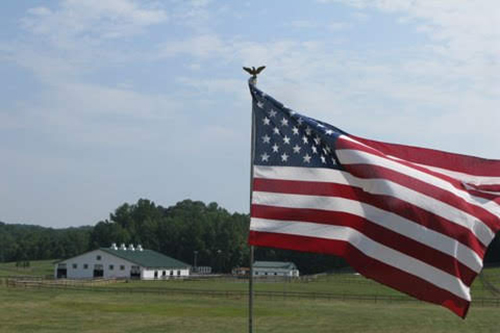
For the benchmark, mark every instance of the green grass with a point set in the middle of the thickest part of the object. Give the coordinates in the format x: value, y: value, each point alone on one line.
x: 71, y: 311
x: 37, y: 268
x: 45, y: 310
x: 348, y: 284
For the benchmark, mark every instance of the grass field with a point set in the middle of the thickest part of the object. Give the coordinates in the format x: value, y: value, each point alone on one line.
x: 70, y: 311
x: 37, y: 268
x: 46, y: 310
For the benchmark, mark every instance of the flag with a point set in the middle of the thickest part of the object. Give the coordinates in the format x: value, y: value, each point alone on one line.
x: 415, y: 219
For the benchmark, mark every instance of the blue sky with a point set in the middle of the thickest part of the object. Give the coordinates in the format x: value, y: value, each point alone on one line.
x: 109, y: 101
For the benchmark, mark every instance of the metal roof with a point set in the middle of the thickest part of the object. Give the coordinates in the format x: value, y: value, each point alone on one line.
x: 274, y: 264
x: 147, y: 258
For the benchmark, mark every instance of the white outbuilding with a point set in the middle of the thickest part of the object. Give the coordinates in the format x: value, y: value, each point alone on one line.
x: 121, y: 263
x: 275, y: 268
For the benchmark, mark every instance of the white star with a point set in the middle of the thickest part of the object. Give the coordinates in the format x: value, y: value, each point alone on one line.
x: 300, y: 121
x: 275, y: 148
x: 260, y: 104
x: 296, y: 149
x: 328, y: 149
x: 266, y: 139
x: 324, y: 151
x: 304, y: 139
x: 266, y: 121
x: 292, y: 112
x: 295, y: 131
x: 264, y: 157
x: 323, y: 159
x: 333, y: 161
x: 284, y: 122
x: 329, y: 132
x: 286, y: 140
x: 272, y: 113
x: 320, y: 125
x: 308, y: 130
x: 276, y: 130
x: 307, y: 158
x: 315, y: 151
x: 317, y: 140
x: 284, y: 157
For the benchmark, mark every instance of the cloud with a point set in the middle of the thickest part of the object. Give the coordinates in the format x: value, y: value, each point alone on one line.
x: 92, y: 20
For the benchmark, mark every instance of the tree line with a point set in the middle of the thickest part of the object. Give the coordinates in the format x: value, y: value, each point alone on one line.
x: 189, y: 228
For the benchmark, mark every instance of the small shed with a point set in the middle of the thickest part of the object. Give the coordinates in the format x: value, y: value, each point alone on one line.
x: 275, y: 268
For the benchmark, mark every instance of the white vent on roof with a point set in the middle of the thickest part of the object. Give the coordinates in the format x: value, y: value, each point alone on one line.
x: 113, y: 246
x: 131, y: 247
x: 123, y: 247
x: 139, y: 247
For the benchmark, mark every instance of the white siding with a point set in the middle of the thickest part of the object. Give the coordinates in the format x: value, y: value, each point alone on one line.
x: 149, y: 273
x: 107, y: 259
x: 90, y: 259
x: 276, y: 272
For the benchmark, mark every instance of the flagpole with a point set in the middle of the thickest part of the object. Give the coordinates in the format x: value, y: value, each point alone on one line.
x: 252, y: 81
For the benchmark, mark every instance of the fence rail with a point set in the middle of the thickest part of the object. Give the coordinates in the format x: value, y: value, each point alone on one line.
x: 97, y: 286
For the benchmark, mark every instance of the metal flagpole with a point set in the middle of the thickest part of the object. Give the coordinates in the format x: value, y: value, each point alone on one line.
x: 252, y: 81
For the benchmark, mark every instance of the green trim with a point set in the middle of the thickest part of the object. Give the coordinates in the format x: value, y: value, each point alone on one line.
x: 147, y: 258
x: 274, y: 264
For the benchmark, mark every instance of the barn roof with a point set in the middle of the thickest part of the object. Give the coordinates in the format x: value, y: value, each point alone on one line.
x: 274, y: 265
x: 147, y: 258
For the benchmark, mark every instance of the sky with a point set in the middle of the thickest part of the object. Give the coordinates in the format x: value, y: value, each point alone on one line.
x: 107, y: 101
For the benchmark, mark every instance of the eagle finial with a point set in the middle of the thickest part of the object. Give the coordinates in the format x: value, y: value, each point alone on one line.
x: 254, y: 72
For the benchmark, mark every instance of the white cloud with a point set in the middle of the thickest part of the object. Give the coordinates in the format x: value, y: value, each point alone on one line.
x: 338, y: 26
x: 92, y: 20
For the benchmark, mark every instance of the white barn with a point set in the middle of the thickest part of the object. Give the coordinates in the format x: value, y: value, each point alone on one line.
x: 121, y: 263
x: 275, y: 268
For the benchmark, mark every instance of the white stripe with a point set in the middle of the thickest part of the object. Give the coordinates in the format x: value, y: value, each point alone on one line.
x: 380, y: 187
x: 370, y: 248
x: 472, y: 179
x: 378, y: 216
x: 465, y: 177
x: 352, y: 156
x: 489, y: 205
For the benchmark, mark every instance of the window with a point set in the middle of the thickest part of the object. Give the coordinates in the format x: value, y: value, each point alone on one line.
x: 275, y: 273
x: 171, y: 273
x: 178, y: 273
x: 111, y: 267
x: 164, y: 273
x: 122, y: 267
x: 85, y: 266
x: 156, y: 274
x: 98, y: 257
x: 75, y: 266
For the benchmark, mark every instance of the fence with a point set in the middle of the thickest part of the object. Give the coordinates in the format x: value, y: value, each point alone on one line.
x: 100, y: 286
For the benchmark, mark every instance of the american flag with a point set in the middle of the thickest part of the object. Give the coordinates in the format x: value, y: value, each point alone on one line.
x: 415, y: 219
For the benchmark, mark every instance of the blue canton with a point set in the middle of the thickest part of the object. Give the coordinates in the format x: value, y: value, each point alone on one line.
x: 284, y: 137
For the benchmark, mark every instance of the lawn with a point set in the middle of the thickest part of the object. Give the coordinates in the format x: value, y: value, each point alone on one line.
x: 39, y: 268
x: 73, y: 311
x: 47, y: 310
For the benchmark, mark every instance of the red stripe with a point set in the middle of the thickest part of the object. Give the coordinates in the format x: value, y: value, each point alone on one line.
x: 373, y: 171
x: 387, y: 203
x: 485, y: 187
x: 369, y: 267
x: 343, y: 143
x: 379, y: 234
x: 378, y: 172
x: 455, y: 162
